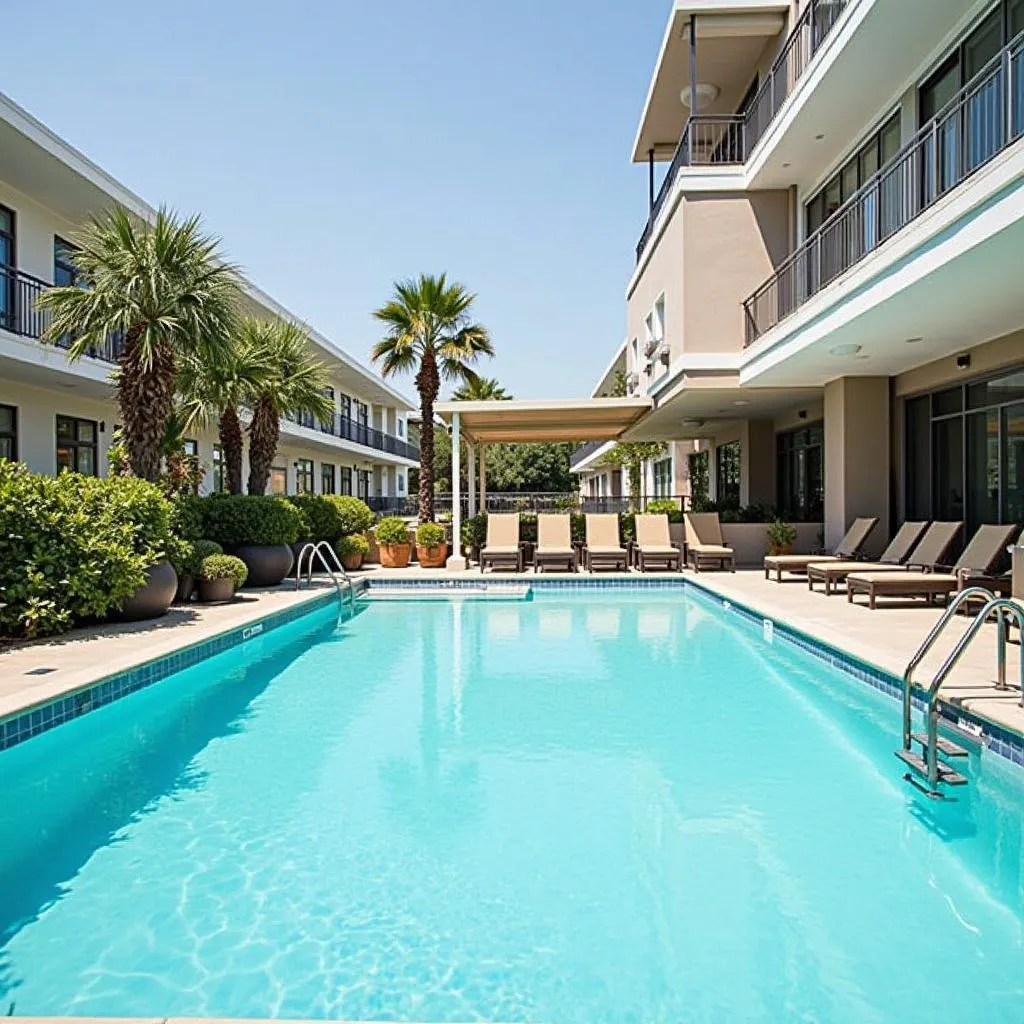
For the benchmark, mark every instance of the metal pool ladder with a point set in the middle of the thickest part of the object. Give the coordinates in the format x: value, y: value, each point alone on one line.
x: 326, y: 560
x: 929, y: 771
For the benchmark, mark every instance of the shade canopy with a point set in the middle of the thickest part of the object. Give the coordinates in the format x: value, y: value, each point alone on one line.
x: 522, y: 420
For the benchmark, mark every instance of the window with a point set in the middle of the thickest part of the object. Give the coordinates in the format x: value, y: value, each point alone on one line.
x: 7, y: 258
x: 727, y: 475
x: 304, y: 476
x: 327, y: 477
x: 401, y: 428
x: 663, y: 478
x: 697, y: 464
x: 220, y: 477
x: 77, y: 446
x: 362, y: 484
x: 190, y: 448
x: 64, y: 272
x: 401, y: 484
x: 800, y: 473
x: 8, y: 432
x: 278, y: 479
x: 346, y: 480
x: 327, y: 425
x: 345, y: 406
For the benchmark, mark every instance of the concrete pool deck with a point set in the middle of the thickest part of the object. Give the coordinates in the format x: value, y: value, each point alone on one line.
x: 885, y: 638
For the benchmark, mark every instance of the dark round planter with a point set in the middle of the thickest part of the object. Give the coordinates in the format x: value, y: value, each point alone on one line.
x: 268, y: 564
x: 216, y: 591
x: 186, y: 588
x: 154, y: 597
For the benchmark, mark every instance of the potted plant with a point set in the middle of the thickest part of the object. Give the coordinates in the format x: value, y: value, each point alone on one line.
x: 393, y: 541
x: 219, y: 577
x: 431, y: 545
x: 352, y: 549
x: 187, y: 561
x: 780, y: 537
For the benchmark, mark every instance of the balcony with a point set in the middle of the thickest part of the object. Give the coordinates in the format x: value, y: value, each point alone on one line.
x: 584, y: 451
x: 985, y: 118
x: 349, y: 429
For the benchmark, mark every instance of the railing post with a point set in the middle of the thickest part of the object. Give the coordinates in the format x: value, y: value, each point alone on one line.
x: 1006, y: 70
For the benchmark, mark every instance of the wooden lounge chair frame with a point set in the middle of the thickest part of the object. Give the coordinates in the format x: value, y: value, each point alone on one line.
x: 554, y: 528
x: 895, y: 556
x: 654, y: 544
x: 600, y: 552
x: 704, y: 543
x: 494, y: 552
x: 846, y: 550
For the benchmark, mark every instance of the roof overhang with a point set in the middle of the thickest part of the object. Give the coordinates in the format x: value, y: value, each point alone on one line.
x: 522, y: 420
x: 731, y: 38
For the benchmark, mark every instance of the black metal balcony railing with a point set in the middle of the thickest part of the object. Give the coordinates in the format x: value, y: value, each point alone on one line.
x: 707, y: 141
x: 982, y: 120
x: 352, y: 430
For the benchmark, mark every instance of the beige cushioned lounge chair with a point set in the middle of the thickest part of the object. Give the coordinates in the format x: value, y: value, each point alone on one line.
x: 704, y: 544
x: 502, y: 546
x: 603, y: 545
x: 893, y: 557
x: 554, y: 542
x: 654, y: 544
x: 845, y: 551
x: 978, y: 558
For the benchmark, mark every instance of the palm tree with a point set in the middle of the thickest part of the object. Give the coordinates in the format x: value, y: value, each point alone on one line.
x: 214, y: 390
x: 481, y: 389
x: 430, y: 333
x: 294, y: 384
x: 164, y: 289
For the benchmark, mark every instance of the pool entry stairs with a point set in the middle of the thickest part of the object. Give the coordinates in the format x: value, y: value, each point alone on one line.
x: 931, y: 769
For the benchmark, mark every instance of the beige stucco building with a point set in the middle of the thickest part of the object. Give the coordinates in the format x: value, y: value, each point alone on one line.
x: 56, y: 414
x: 826, y: 301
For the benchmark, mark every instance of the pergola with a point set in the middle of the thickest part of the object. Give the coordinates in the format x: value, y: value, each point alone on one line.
x: 522, y: 421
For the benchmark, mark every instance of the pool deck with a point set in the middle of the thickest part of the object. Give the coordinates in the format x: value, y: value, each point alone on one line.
x: 885, y: 638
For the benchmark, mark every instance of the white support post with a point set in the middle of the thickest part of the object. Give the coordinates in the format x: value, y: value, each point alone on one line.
x: 456, y: 563
x: 483, y: 477
x: 471, y: 461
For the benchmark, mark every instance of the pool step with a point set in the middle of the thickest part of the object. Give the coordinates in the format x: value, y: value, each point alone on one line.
x: 917, y: 764
x: 945, y: 747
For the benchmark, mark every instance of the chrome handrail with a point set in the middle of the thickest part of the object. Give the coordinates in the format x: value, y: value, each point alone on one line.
x: 317, y: 551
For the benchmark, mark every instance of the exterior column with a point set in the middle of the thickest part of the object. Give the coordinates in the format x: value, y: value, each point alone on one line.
x: 483, y: 477
x: 857, y: 457
x: 757, y: 463
x: 471, y: 486
x: 456, y: 563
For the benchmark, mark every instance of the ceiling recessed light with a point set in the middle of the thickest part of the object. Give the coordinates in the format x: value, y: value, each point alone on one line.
x: 693, y: 424
x: 786, y: 164
x: 706, y: 93
x: 741, y: 401
x: 913, y: 341
x: 846, y: 349
x: 820, y: 136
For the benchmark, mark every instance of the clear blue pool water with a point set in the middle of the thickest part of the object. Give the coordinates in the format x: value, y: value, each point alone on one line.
x: 588, y: 807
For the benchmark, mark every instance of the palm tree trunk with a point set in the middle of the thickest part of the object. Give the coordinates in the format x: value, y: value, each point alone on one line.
x: 428, y: 383
x: 264, y: 431
x: 145, y: 393
x: 230, y: 434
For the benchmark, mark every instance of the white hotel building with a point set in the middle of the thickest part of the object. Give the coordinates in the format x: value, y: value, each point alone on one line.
x: 56, y: 414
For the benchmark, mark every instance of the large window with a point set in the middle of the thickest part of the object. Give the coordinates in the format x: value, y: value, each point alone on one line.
x: 663, y: 478
x: 727, y: 475
x: 8, y: 432
x: 278, y: 479
x: 327, y: 478
x: 800, y: 474
x: 362, y: 484
x: 697, y: 464
x: 7, y: 261
x: 345, y: 480
x: 327, y: 425
x: 304, y: 476
x: 77, y: 446
x: 64, y: 273
x: 220, y: 477
x: 965, y: 452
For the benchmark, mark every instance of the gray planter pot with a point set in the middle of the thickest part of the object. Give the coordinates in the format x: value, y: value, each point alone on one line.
x: 186, y: 588
x: 154, y: 597
x: 216, y: 591
x: 268, y: 564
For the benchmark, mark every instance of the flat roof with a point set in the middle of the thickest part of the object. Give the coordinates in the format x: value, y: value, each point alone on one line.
x: 563, y: 419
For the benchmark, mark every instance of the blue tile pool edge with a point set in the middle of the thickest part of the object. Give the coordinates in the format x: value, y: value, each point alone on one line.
x: 49, y: 713
x: 994, y: 737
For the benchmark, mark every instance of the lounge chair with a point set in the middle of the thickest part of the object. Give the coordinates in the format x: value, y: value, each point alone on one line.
x: 653, y: 544
x: 604, y: 548
x: 554, y: 542
x: 893, y: 557
x: 704, y: 544
x: 846, y: 550
x: 502, y: 546
x: 978, y: 559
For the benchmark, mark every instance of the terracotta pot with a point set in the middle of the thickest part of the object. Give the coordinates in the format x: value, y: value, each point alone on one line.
x: 432, y: 558
x: 216, y: 591
x: 352, y: 562
x: 395, y: 556
x: 372, y: 556
x: 154, y: 597
x: 186, y: 588
x: 268, y: 564
x: 780, y: 549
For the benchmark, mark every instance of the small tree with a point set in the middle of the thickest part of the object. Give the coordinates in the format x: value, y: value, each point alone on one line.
x: 631, y: 457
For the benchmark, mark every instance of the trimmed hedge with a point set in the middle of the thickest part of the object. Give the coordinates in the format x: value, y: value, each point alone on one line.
x: 392, y: 530
x: 352, y: 544
x: 74, y: 548
x: 223, y: 567
x: 234, y: 520
x: 430, y: 535
x: 354, y: 515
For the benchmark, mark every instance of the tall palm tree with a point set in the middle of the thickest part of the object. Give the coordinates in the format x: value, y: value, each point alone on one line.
x: 430, y: 333
x: 294, y: 385
x: 481, y: 389
x: 164, y: 289
x: 214, y: 389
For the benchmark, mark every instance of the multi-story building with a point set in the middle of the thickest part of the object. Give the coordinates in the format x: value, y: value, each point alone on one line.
x: 55, y: 414
x: 827, y: 293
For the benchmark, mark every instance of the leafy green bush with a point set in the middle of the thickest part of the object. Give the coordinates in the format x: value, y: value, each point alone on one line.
x: 781, y: 534
x: 321, y: 515
x: 474, y: 530
x: 187, y: 519
x: 392, y: 530
x: 354, y: 515
x: 74, y: 547
x: 242, y: 519
x: 223, y: 567
x: 430, y: 535
x: 352, y: 544
x: 201, y: 550
x: 667, y: 507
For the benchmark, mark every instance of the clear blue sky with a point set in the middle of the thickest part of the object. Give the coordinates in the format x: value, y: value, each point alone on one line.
x: 337, y: 146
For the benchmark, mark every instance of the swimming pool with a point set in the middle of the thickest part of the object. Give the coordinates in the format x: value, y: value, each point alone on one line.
x: 598, y: 806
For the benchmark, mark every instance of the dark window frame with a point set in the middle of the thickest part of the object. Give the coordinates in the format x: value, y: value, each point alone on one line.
x: 326, y: 476
x: 76, y: 443
x: 728, y: 474
x: 12, y: 434
x: 345, y: 481
x: 219, y: 467
x: 793, y: 473
x: 305, y: 476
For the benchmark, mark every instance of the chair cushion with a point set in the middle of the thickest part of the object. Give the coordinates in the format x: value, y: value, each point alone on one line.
x: 504, y: 550
x: 711, y: 549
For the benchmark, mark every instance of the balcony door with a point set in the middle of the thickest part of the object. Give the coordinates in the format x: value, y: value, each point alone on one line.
x: 6, y: 268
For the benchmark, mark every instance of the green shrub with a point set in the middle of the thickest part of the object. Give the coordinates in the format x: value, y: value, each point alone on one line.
x: 354, y: 515
x: 201, y: 550
x: 392, y: 530
x: 321, y: 516
x: 223, y: 567
x: 75, y: 547
x: 236, y: 519
x: 781, y: 534
x: 528, y: 527
x: 474, y: 530
x: 352, y: 544
x: 667, y: 507
x: 187, y: 518
x: 430, y: 535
